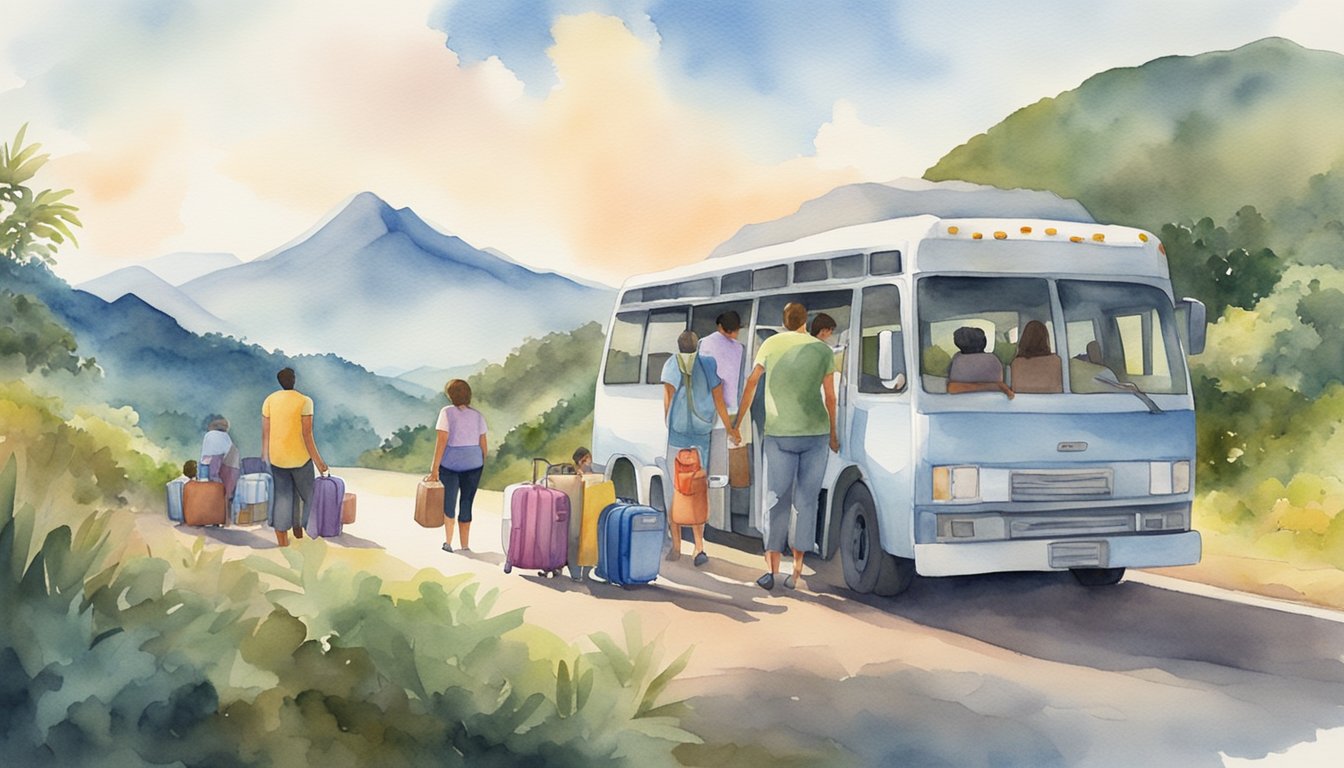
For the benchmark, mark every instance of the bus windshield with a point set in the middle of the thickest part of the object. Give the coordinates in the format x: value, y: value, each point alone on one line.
x: 1127, y: 330
x: 1123, y: 332
x: 998, y: 307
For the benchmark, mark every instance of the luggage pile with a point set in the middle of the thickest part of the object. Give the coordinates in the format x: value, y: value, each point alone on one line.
x: 254, y: 496
x: 562, y: 518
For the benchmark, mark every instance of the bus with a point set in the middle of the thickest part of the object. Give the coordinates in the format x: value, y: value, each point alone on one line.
x: 1092, y: 473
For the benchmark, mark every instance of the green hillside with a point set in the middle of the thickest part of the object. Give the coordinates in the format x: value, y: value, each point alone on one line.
x: 1178, y: 138
x: 537, y: 402
x: 1235, y: 160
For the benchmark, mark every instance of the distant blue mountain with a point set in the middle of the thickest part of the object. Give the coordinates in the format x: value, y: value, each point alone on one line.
x: 158, y: 293
x: 381, y: 287
x: 174, y: 378
x: 870, y: 201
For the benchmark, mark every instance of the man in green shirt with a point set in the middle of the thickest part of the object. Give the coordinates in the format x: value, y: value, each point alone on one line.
x: 799, y: 415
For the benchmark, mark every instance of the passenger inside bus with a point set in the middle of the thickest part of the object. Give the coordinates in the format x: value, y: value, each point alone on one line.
x: 972, y: 368
x: 1035, y: 369
x: 1083, y: 370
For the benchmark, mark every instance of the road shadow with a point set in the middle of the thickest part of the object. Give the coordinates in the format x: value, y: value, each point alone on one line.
x: 353, y: 542
x: 234, y: 536
x: 739, y: 603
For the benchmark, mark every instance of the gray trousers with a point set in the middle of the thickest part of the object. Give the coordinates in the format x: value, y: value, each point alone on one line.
x: 794, y: 469
x: 293, y: 491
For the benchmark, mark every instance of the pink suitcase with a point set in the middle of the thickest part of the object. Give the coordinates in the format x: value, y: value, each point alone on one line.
x: 538, y: 527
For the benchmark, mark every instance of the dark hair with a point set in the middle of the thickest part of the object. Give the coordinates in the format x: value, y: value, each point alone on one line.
x: 580, y: 453
x: 687, y: 341
x: 286, y: 378
x: 795, y: 316
x: 458, y: 392
x: 1035, y: 341
x: 969, y: 339
x: 189, y: 468
x: 822, y: 322
x: 729, y: 321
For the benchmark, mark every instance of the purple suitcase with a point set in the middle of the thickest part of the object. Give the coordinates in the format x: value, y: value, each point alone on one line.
x: 538, y: 527
x: 328, y: 495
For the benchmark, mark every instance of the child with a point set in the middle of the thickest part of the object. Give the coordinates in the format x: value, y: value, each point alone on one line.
x: 188, y: 470
x: 583, y: 460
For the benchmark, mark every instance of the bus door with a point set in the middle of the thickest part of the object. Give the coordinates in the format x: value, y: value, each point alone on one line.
x: 704, y: 322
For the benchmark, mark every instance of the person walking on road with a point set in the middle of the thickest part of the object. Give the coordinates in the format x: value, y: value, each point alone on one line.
x: 692, y: 394
x: 799, y: 427
x: 287, y: 444
x: 459, y: 458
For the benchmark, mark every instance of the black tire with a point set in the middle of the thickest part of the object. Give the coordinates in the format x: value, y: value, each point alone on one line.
x: 895, y: 575
x: 1098, y: 577
x: 860, y: 547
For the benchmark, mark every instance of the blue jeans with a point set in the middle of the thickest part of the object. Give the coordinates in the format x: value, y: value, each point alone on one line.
x: 465, y: 483
x: 293, y: 492
x: 794, y: 469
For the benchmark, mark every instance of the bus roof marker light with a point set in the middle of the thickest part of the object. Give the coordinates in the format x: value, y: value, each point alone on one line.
x: 1075, y: 239
x: 953, y: 230
x: 1025, y: 230
x: 977, y: 236
x: 1143, y: 237
x: 1000, y: 235
x: 1100, y: 237
x: 1051, y: 231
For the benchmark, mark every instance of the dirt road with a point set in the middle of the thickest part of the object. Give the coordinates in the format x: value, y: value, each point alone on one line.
x: 1015, y: 669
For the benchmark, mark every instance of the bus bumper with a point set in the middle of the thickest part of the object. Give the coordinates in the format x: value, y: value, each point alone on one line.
x: 1132, y: 551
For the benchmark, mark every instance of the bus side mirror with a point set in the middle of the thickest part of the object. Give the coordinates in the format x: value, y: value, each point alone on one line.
x: 1196, y: 318
x: 886, y: 361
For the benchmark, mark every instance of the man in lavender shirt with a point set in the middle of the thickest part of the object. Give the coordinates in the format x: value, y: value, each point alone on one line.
x: 726, y: 351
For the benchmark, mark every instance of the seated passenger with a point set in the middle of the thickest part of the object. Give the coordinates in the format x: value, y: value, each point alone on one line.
x: 1084, y: 368
x: 1035, y: 369
x: 973, y: 369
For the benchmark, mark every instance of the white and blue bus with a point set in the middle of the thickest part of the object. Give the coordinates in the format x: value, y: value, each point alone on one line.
x: 1093, y: 475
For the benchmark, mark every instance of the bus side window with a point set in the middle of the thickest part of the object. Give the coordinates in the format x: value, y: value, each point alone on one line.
x: 881, y: 312
x: 625, y: 348
x: 660, y: 342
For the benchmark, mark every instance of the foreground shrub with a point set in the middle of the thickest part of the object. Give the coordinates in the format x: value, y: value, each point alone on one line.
x: 181, y: 656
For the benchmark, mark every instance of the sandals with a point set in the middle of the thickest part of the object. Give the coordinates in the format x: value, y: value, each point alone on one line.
x: 700, y: 559
x: 447, y: 547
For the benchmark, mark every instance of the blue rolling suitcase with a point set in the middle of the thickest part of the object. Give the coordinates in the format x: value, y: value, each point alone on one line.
x: 630, y: 543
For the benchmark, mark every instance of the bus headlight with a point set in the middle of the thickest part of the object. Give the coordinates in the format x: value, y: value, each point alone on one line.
x: 956, y: 483
x: 1168, y: 477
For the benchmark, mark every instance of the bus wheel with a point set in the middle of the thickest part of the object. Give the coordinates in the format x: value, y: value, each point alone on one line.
x: 1098, y: 577
x: 860, y: 548
x: 894, y: 576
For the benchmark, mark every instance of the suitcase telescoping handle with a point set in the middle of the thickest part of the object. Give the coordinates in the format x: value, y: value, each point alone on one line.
x: 536, y: 479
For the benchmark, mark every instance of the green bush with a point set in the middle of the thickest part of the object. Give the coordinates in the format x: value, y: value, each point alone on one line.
x: 183, y: 656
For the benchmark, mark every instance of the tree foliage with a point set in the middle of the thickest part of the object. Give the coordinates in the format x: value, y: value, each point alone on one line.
x: 32, y: 224
x: 1222, y: 266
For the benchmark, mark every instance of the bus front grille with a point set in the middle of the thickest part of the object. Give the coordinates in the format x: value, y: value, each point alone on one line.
x: 1052, y: 485
x: 1027, y: 527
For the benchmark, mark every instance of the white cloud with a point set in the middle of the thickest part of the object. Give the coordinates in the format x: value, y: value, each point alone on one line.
x: 876, y: 153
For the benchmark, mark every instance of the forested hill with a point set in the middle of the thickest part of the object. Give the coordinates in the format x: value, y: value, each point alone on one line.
x: 176, y: 379
x: 1180, y: 137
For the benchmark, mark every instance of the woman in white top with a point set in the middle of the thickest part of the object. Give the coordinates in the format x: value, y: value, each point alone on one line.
x: 221, y: 456
x: 459, y: 456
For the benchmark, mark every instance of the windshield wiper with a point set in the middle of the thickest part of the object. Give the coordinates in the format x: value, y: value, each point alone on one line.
x: 1108, y: 378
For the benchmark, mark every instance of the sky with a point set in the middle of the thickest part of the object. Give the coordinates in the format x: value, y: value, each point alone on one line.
x: 599, y: 139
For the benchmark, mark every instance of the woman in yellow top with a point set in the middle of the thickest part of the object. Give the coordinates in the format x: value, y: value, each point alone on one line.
x: 287, y: 445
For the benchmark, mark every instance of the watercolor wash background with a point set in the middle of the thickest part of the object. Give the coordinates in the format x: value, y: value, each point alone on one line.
x: 388, y: 194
